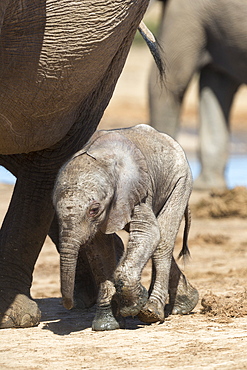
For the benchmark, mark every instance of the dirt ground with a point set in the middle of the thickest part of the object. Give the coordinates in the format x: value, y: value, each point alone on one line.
x: 213, y: 336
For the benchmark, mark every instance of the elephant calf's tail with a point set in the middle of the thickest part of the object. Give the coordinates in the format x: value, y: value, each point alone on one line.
x: 154, y: 47
x: 185, y: 250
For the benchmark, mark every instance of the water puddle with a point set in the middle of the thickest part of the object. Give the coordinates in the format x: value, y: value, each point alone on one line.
x: 236, y: 171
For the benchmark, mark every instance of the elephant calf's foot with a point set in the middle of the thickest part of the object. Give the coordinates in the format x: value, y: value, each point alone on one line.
x: 152, y: 312
x: 104, y: 319
x: 183, y: 302
x: 131, y: 304
x: 21, y: 312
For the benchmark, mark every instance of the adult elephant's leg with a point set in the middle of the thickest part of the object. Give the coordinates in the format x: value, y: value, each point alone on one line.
x: 216, y: 95
x: 182, y: 39
x: 23, y: 232
x: 169, y: 220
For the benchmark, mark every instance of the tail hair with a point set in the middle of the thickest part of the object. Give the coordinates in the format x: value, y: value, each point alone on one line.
x: 185, y: 253
x: 154, y: 48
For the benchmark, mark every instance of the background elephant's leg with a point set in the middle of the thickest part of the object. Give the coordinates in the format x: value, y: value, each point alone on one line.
x: 102, y: 256
x: 143, y: 239
x: 182, y: 39
x: 164, y: 106
x: 23, y: 232
x: 169, y: 219
x: 216, y: 95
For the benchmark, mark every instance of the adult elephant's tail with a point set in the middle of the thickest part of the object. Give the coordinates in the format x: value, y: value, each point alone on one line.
x: 154, y: 48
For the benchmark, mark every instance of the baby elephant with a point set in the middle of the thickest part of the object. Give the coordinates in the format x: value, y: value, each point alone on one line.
x: 135, y: 179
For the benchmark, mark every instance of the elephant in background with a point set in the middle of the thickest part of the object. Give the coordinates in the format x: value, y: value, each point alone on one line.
x: 59, y: 64
x: 135, y: 179
x: 210, y: 39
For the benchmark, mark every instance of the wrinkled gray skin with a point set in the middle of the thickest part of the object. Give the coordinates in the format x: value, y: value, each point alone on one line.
x: 59, y: 63
x: 137, y: 179
x: 197, y: 36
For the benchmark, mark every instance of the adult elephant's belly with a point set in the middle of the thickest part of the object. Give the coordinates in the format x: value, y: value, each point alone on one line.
x: 51, y: 62
x: 39, y: 103
x: 35, y: 115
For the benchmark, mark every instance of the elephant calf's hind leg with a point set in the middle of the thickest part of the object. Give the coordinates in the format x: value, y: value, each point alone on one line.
x: 183, y: 297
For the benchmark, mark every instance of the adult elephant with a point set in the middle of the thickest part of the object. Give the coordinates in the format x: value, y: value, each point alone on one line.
x: 59, y: 64
x: 211, y: 39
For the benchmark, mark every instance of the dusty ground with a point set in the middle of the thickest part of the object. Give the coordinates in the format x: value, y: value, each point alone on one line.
x: 215, y: 339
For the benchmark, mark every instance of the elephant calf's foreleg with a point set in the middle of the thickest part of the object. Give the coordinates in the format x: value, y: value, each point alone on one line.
x: 168, y: 281
x: 102, y: 255
x: 104, y: 318
x: 153, y: 311
x: 144, y: 237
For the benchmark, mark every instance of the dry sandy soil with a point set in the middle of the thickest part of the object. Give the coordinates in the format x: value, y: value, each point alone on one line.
x: 215, y: 338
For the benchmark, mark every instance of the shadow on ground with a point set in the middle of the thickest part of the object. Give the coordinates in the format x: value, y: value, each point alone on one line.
x: 61, y: 321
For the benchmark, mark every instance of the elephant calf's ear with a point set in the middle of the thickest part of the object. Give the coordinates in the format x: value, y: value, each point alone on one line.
x: 127, y: 166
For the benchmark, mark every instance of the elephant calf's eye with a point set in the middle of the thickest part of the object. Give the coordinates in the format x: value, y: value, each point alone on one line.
x: 94, y: 209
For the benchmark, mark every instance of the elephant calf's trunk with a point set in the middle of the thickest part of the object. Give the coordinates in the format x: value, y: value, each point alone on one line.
x: 68, y: 262
x: 68, y: 303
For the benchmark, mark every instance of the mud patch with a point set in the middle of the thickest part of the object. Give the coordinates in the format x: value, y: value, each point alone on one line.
x: 222, y: 203
x: 225, y: 307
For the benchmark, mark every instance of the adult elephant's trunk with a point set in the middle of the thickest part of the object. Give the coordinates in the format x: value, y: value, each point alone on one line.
x: 69, y: 249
